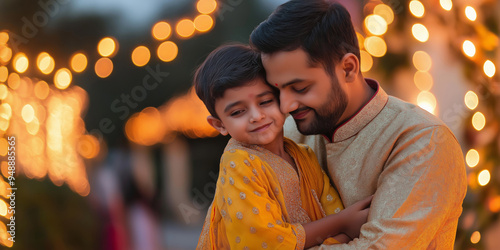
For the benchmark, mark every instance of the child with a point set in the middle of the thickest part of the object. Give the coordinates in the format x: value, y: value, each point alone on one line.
x: 271, y: 192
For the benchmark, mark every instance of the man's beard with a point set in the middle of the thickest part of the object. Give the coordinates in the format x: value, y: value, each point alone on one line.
x: 325, y: 119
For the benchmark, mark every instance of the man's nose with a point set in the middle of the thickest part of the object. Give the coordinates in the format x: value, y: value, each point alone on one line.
x: 287, y: 103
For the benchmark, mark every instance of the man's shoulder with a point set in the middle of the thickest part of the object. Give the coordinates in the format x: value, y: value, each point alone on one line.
x: 400, y: 113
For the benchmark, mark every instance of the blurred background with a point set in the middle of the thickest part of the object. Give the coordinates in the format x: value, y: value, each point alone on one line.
x: 112, y: 149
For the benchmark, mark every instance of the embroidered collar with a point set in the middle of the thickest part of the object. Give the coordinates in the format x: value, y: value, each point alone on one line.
x: 364, y: 116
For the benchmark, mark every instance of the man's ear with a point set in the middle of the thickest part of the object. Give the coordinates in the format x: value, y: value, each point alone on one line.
x: 350, y: 66
x: 217, y: 124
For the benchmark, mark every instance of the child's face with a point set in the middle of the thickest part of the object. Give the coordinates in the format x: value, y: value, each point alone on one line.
x: 250, y: 114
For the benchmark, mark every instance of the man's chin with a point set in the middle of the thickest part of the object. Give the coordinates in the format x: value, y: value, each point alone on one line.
x: 304, y: 127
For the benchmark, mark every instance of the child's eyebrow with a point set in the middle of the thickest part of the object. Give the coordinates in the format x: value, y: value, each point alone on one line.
x: 228, y: 107
x: 265, y: 93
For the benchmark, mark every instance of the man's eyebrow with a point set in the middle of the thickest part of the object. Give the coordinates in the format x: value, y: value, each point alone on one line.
x: 296, y: 80
x: 228, y: 107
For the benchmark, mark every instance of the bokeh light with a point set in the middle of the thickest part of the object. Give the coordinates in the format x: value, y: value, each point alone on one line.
x: 28, y: 113
x: 4, y: 91
x: 78, y: 62
x: 366, y: 61
x: 185, y: 28
x: 45, y: 63
x: 103, y: 67
x: 446, y: 4
x: 203, y: 23
x: 63, y: 78
x: 478, y: 121
x: 376, y: 25
x: 423, y: 80
x: 427, y: 101
x: 475, y: 237
x: 471, y: 100
x: 4, y: 73
x: 4, y: 38
x: 472, y: 158
x: 161, y: 30
x: 469, y: 48
x: 376, y: 46
x: 167, y: 51
x: 14, y: 81
x: 484, y: 177
x: 21, y: 62
x: 420, y: 32
x: 417, y: 8
x: 206, y: 6
x: 470, y: 13
x: 107, y: 47
x: 5, y: 54
x: 489, y: 68
x: 141, y: 56
x: 422, y: 61
x: 384, y: 11
x: 41, y: 90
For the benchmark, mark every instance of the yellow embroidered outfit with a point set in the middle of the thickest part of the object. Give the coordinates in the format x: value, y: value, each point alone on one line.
x: 409, y: 160
x: 260, y: 201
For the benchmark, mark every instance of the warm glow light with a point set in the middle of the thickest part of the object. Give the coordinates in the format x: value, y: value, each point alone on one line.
x: 203, y: 23
x: 423, y: 80
x: 3, y: 208
x: 3, y: 91
x: 45, y: 63
x: 41, y: 90
x: 161, y: 30
x: 78, y: 62
x: 4, y: 145
x: 489, y: 68
x: 422, y: 61
x: 478, y: 121
x: 366, y: 61
x: 475, y: 237
x: 206, y: 6
x: 5, y: 111
x: 375, y: 46
x: 88, y: 146
x: 361, y: 41
x: 5, y: 54
x: 4, y: 74
x: 472, y: 158
x: 420, y: 32
x: 107, y: 47
x: 33, y: 127
x: 471, y: 100
x: 14, y: 81
x: 376, y: 25
x: 494, y: 204
x: 144, y: 128
x: 446, y: 4
x: 62, y: 78
x: 469, y: 48
x: 167, y: 51
x: 103, y: 67
x: 28, y: 113
x: 4, y: 38
x: 185, y: 28
x: 141, y: 56
x: 417, y: 8
x: 427, y: 101
x: 470, y: 13
x: 484, y: 177
x: 21, y: 62
x: 384, y: 11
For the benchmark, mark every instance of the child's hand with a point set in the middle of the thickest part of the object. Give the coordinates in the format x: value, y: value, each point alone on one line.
x: 356, y: 215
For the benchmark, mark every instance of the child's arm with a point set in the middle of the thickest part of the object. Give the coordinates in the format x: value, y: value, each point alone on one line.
x: 348, y: 221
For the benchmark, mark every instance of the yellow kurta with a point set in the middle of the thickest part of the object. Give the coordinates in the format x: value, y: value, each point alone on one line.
x: 409, y: 160
x: 260, y: 201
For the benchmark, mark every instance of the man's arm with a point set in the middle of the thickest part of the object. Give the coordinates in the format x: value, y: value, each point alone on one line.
x: 419, y: 195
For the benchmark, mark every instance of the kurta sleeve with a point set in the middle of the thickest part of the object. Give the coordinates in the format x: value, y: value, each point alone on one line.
x: 250, y: 206
x: 420, y: 190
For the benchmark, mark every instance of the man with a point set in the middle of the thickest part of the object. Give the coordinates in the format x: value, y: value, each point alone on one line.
x: 371, y: 143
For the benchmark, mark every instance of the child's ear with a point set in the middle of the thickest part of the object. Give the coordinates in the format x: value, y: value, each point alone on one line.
x: 217, y: 124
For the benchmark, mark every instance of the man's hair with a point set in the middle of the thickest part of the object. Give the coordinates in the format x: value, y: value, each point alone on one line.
x: 323, y: 30
x: 228, y: 66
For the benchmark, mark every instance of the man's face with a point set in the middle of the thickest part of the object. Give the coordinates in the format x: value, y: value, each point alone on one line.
x: 315, y: 99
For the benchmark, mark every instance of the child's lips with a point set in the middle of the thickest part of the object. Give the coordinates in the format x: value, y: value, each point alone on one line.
x: 261, y: 128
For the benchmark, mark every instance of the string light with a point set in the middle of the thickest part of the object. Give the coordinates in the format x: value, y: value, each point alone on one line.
x: 427, y: 101
x: 203, y: 23
x: 484, y: 177
x: 366, y: 61
x: 475, y: 237
x: 78, y: 62
x: 472, y: 158
x: 376, y: 25
x: 21, y: 62
x: 471, y: 100
x: 206, y: 6
x: 422, y: 61
x: 161, y: 30
x: 103, y: 67
x: 417, y: 8
x: 470, y: 13
x: 167, y: 51
x: 185, y: 28
x: 478, y: 121
x: 62, y: 78
x: 45, y: 63
x: 376, y: 46
x: 423, y: 80
x: 446, y: 4
x: 384, y: 11
x: 469, y: 48
x: 141, y: 56
x: 107, y: 47
x: 489, y: 68
x: 420, y: 32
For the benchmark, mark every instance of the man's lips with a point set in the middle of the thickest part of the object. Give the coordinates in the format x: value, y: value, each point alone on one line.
x: 300, y: 113
x: 261, y: 127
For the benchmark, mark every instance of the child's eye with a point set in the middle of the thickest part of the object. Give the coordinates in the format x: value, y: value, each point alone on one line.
x: 267, y: 102
x: 236, y: 112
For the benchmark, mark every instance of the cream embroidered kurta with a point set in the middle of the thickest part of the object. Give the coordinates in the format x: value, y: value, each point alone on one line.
x: 261, y: 201
x: 409, y: 160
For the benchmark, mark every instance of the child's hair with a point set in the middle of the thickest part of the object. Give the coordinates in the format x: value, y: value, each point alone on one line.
x: 228, y: 66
